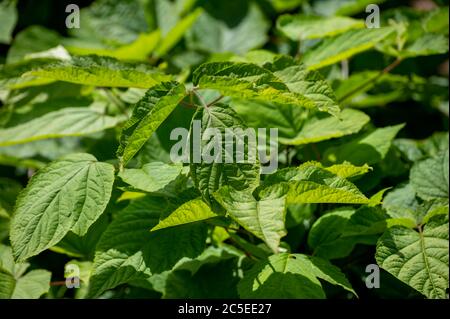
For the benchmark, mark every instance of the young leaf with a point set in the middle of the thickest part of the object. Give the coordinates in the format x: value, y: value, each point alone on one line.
x: 101, y: 71
x: 323, y: 190
x: 67, y: 195
x: 347, y: 170
x: 190, y: 212
x: 264, y: 218
x: 418, y: 258
x: 148, y: 114
x: 310, y: 183
x: 75, y: 121
x: 298, y: 275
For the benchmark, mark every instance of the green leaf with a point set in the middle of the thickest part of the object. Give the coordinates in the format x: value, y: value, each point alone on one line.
x: 111, y: 22
x: 213, y: 274
x: 138, y: 50
x: 128, y: 251
x: 264, y: 218
x: 343, y: 7
x: 190, y: 212
x: 290, y: 276
x: 344, y: 170
x: 297, y: 126
x: 12, y: 76
x: 429, y: 177
x: 209, y: 177
x: 335, y: 234
x: 77, y: 121
x: 401, y: 202
x: 74, y: 245
x: 229, y: 26
x: 436, y: 20
x: 9, y: 189
x: 211, y: 281
x: 319, y: 128
x: 434, y: 209
x: 367, y: 149
x: 344, y: 46
x: 310, y: 183
x: 8, y: 16
x: 435, y: 144
x: 285, y: 5
x: 283, y: 82
x: 352, y: 90
x: 101, y: 71
x: 177, y: 32
x: 153, y: 177
x: 347, y: 170
x: 428, y: 44
x: 309, y: 83
x: 31, y: 40
x: 148, y: 114
x: 15, y: 283
x: 304, y: 192
x: 248, y: 81
x: 288, y: 119
x: 32, y: 285
x: 419, y: 259
x: 67, y: 195
x: 305, y: 27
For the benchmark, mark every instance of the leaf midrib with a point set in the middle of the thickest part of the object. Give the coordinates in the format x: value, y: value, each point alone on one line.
x: 425, y: 259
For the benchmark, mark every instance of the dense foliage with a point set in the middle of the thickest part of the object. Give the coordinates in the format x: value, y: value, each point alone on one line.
x: 357, y: 206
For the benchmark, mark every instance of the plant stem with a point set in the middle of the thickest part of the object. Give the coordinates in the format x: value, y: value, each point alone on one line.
x: 215, y: 101
x: 247, y: 253
x: 386, y: 70
x: 200, y: 98
x: 58, y: 283
x: 188, y: 105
